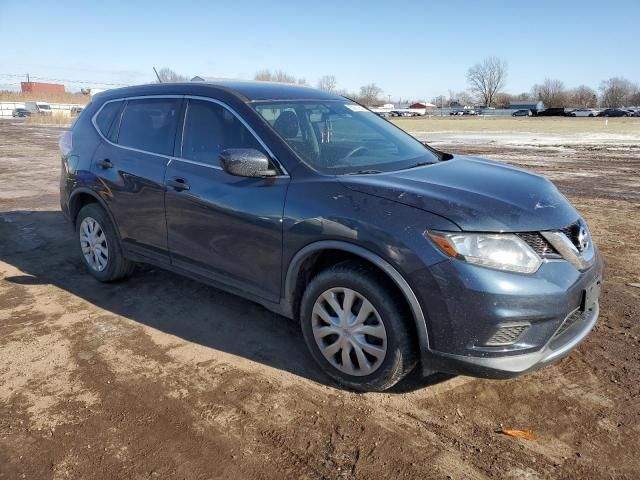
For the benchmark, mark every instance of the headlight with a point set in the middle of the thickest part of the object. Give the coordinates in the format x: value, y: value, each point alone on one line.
x: 504, y: 251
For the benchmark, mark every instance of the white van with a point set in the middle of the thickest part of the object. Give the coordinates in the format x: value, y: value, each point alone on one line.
x: 41, y: 108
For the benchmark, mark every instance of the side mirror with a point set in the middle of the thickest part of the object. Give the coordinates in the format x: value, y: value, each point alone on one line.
x: 245, y: 162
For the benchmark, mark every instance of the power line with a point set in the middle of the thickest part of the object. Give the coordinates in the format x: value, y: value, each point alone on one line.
x: 62, y: 80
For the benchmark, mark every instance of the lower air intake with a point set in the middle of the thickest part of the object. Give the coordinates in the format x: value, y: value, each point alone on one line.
x: 506, y: 335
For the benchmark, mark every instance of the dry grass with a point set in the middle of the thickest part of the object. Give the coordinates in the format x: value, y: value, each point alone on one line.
x: 6, y: 96
x: 55, y: 119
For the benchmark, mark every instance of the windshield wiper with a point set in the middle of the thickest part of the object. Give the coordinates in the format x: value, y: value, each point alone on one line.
x: 420, y: 164
x: 364, y: 172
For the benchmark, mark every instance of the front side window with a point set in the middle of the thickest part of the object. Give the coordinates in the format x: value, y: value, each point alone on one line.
x: 149, y: 124
x: 210, y: 128
x: 339, y: 137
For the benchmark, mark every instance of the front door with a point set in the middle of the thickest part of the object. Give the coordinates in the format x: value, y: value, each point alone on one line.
x: 225, y: 227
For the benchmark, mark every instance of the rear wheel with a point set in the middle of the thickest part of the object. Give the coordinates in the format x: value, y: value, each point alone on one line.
x: 99, y: 245
x: 355, y: 327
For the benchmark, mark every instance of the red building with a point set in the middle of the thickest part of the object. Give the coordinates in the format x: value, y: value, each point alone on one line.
x: 38, y: 87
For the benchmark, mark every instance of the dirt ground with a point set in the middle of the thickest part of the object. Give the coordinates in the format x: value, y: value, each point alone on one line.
x: 162, y: 377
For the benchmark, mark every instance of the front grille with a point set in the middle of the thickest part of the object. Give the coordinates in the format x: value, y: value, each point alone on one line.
x: 572, y: 232
x: 506, y: 335
x: 538, y: 243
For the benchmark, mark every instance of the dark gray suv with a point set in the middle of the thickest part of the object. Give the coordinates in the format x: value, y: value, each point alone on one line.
x: 389, y: 252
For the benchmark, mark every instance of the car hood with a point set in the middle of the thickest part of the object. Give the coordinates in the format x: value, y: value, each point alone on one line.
x: 476, y: 194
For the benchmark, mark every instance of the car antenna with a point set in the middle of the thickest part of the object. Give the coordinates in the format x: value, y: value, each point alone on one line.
x: 157, y: 76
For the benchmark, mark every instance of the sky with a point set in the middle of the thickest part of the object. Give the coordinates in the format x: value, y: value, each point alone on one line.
x: 410, y: 49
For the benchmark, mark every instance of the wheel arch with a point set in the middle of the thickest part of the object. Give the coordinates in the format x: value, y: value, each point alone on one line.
x: 83, y: 196
x: 293, y: 290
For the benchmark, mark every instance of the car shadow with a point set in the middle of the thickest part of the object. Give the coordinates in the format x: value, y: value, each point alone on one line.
x: 41, y: 245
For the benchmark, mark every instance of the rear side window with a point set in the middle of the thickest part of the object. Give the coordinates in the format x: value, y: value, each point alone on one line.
x: 150, y: 124
x: 210, y: 128
x: 107, y: 116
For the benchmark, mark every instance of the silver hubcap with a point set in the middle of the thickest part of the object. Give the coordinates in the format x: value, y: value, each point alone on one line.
x: 94, y: 245
x: 349, y: 331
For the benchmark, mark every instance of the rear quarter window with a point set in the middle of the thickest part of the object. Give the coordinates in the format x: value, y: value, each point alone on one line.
x: 150, y: 124
x: 106, y: 118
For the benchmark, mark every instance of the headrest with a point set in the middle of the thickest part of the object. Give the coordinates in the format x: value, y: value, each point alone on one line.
x: 287, y: 124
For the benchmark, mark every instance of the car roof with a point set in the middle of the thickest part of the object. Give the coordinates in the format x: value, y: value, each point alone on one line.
x: 244, y: 90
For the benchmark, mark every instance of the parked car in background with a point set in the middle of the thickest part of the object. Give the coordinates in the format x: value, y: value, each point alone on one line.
x: 614, y: 112
x: 464, y: 112
x: 38, y: 108
x: 552, y: 112
x: 584, y: 112
x: 20, y: 112
x: 468, y: 271
x: 76, y: 111
x: 522, y: 113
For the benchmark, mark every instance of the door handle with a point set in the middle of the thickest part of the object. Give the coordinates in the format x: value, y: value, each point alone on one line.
x: 179, y: 184
x: 104, y: 163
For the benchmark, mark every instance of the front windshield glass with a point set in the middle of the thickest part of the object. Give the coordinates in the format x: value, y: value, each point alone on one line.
x: 342, y: 137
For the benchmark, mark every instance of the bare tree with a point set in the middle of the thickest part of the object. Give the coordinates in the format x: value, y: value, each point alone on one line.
x: 280, y: 76
x: 263, y: 75
x: 440, y: 101
x: 370, y: 94
x: 633, y: 100
x: 327, y: 83
x: 503, y: 100
x: 283, y: 77
x: 583, y: 97
x: 551, y: 92
x: 487, y: 78
x: 616, y: 92
x: 166, y: 75
x: 464, y: 98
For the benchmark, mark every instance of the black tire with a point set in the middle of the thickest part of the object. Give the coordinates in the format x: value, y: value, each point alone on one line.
x: 117, y: 266
x: 400, y: 358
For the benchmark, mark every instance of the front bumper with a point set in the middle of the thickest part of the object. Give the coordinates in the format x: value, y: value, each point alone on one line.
x: 467, y: 304
x: 559, y: 346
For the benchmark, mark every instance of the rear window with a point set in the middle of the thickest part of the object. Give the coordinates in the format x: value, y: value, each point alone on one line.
x: 106, y: 117
x: 150, y: 125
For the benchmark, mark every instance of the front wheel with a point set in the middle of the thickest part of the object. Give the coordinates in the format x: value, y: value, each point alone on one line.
x: 355, y: 327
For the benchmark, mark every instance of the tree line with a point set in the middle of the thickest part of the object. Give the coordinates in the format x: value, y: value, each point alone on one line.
x: 486, y: 86
x: 487, y: 81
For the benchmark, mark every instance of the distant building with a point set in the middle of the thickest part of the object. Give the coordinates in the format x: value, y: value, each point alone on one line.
x: 39, y: 87
x: 527, y: 105
x: 202, y: 78
x: 422, y: 106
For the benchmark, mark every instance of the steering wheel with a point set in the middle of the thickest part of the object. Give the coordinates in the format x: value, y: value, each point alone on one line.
x: 355, y: 151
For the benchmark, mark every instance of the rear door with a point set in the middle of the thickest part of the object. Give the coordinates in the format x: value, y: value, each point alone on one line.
x: 225, y: 227
x: 139, y: 137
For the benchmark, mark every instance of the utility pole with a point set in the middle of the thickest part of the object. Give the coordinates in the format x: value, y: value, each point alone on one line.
x: 28, y: 78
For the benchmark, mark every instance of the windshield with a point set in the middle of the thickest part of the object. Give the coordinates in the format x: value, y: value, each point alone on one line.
x: 343, y: 137
x: 44, y: 107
